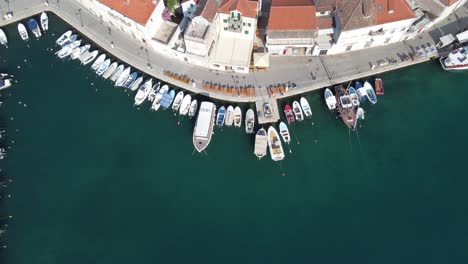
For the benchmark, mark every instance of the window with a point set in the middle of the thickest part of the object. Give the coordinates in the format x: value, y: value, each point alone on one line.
x: 225, y: 28
x: 249, y: 24
x: 225, y: 20
x: 246, y: 32
x: 243, y: 23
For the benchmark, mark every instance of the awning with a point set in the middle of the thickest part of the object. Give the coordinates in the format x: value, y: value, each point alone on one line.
x: 261, y: 60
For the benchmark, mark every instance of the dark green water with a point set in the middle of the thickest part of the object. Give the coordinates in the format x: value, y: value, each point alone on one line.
x: 99, y: 181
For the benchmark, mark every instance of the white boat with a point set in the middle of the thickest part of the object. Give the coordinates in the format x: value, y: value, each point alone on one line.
x: 90, y: 58
x: 353, y: 96
x: 370, y: 93
x: 98, y: 62
x: 330, y: 99
x: 185, y: 105
x: 305, y: 107
x: 249, y: 121
x: 177, y: 101
x: 297, y: 110
x: 143, y: 92
x: 203, y: 129
x: 136, y: 83
x: 284, y: 132
x: 361, y: 92
x: 64, y: 52
x: 44, y: 21
x: 154, y: 91
x: 3, y: 38
x: 359, y: 115
x: 229, y: 116
x: 69, y: 40
x: 193, y: 108
x: 274, y: 144
x: 62, y: 39
x: 123, y: 77
x: 117, y: 73
x: 261, y: 143
x: 78, y: 52
x: 237, y: 117
x: 5, y: 83
x: 23, y: 32
x: 103, y: 67
x: 157, y: 100
x: 130, y: 80
x: 110, y: 70
x: 457, y: 60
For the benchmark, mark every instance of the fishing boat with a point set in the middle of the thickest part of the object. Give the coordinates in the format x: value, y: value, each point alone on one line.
x: 90, y: 57
x: 261, y: 143
x: 229, y: 120
x: 305, y: 107
x: 123, y: 77
x: 143, y: 92
x: 237, y: 117
x: 3, y: 38
x: 159, y: 96
x: 185, y: 105
x: 34, y: 27
x: 98, y: 62
x: 23, y: 32
x: 457, y: 60
x: 330, y: 99
x: 177, y: 101
x: 345, y: 107
x: 167, y: 99
x: 220, y: 116
x: 5, y: 83
x: 361, y: 92
x: 284, y: 132
x: 137, y: 83
x: 154, y: 91
x: 44, y: 22
x: 379, y: 88
x: 63, y: 38
x: 131, y: 78
x: 203, y: 130
x: 78, y: 52
x: 297, y: 111
x: 117, y: 73
x: 353, y: 96
x: 103, y: 67
x: 289, y: 114
x: 274, y: 144
x: 69, y: 40
x: 110, y: 70
x: 370, y: 93
x: 249, y: 121
x: 193, y: 108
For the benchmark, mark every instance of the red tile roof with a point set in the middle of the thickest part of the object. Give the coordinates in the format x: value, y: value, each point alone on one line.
x: 137, y: 10
x: 207, y: 9
x: 392, y: 10
x: 449, y: 2
x: 247, y: 8
x: 292, y: 15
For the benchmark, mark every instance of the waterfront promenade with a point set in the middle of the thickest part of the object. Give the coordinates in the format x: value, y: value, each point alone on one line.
x: 308, y: 73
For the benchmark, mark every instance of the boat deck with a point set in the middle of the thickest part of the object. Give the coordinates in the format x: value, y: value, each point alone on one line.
x: 275, y: 111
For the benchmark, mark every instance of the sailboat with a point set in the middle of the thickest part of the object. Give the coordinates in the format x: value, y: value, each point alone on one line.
x: 220, y: 116
x: 63, y: 38
x: 249, y: 121
x: 143, y: 92
x: 284, y: 132
x: 103, y: 67
x: 3, y: 38
x: 177, y: 101
x: 289, y: 114
x: 370, y: 93
x: 110, y: 70
x: 229, y: 116
x: 345, y: 107
x: 379, y: 88
x: 117, y: 73
x: 44, y: 21
x: 137, y: 83
x: 305, y: 107
x: 98, y: 62
x: 154, y: 91
x: 274, y: 144
x: 159, y: 96
x: 34, y: 27
x: 330, y: 99
x: 297, y: 111
x: 23, y: 32
x: 193, y: 108
x: 131, y: 78
x: 353, y: 96
x: 167, y: 99
x: 261, y: 143
x: 185, y: 105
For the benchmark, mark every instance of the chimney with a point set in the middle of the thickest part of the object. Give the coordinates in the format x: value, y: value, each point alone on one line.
x: 389, y: 8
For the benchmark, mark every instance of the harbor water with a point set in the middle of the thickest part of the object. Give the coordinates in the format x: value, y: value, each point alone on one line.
x: 97, y: 180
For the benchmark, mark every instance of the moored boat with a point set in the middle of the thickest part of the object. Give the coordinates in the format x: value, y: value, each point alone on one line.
x: 274, y: 144
x: 118, y: 71
x: 361, y: 92
x: 457, y: 60
x: 185, y: 105
x: 284, y: 132
x: 3, y: 38
x: 143, y: 92
x: 110, y: 70
x: 44, y: 21
x: 289, y: 114
x: 261, y: 143
x: 353, y: 96
x: 229, y: 116
x: 193, y: 108
x: 154, y: 91
x: 167, y: 99
x: 5, y: 83
x: 177, y: 101
x: 220, y: 116
x: 23, y: 32
x: 370, y: 93
x: 297, y: 111
x: 63, y: 38
x: 237, y: 117
x: 69, y: 40
x: 379, y: 88
x: 78, y: 52
x: 203, y: 130
x: 305, y: 107
x: 34, y: 27
x: 137, y: 83
x: 65, y: 52
x: 359, y: 115
x: 90, y: 57
x: 103, y: 67
x: 131, y: 78
x: 123, y: 77
x: 98, y: 62
x: 249, y: 121
x: 345, y: 107
x: 159, y: 96
x: 330, y: 99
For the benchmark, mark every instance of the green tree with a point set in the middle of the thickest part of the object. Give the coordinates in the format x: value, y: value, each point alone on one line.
x: 173, y: 4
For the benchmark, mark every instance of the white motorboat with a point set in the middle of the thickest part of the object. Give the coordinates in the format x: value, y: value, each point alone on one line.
x: 143, y: 92
x: 203, y: 129
x: 274, y: 144
x: 44, y: 22
x: 193, y: 108
x: 185, y: 105
x: 90, y: 57
x: 237, y: 116
x: 249, y: 121
x: 78, y: 52
x: 98, y: 62
x: 370, y: 93
x: 62, y: 39
x: 130, y: 79
x: 3, y: 38
x: 297, y: 110
x: 305, y: 107
x: 136, y: 83
x: 330, y: 99
x: 353, y: 96
x: 69, y: 40
x: 110, y: 70
x: 229, y: 116
x: 64, y: 52
x: 457, y: 60
x: 261, y: 143
x: 159, y: 96
x: 5, y: 83
x: 359, y: 115
x: 154, y: 91
x: 23, y: 32
x: 117, y: 73
x: 123, y: 77
x: 284, y: 132
x: 177, y: 101
x: 103, y: 67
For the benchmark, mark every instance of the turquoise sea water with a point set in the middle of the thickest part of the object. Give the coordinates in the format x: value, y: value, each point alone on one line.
x: 97, y: 180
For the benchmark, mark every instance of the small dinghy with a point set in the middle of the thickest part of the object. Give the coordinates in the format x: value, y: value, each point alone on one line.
x: 143, y: 92
x: 34, y: 27
x: 154, y: 92
x: 220, y: 116
x: 237, y: 117
x: 330, y: 99
x: 177, y: 101
x: 284, y: 132
x: 159, y: 96
x: 193, y: 108
x: 297, y: 111
x: 305, y: 107
x: 62, y: 39
x: 379, y: 89
x: 3, y: 39
x: 23, y: 32
x: 123, y: 77
x: 370, y: 93
x: 361, y: 92
x: 289, y: 114
x: 137, y: 83
x: 249, y: 121
x: 353, y: 96
x: 110, y: 70
x: 117, y: 73
x: 261, y: 143
x: 103, y: 67
x: 90, y: 57
x: 131, y: 78
x: 274, y: 144
x: 167, y: 99
x: 44, y: 22
x: 229, y: 116
x: 78, y: 52
x: 98, y: 62
x: 185, y: 105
